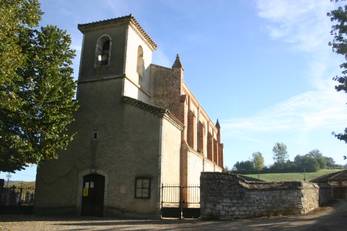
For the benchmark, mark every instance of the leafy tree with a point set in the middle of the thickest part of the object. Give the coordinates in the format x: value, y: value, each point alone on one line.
x: 306, y: 163
x: 244, y: 166
x: 258, y: 161
x: 317, y: 155
x: 330, y: 162
x: 280, y: 153
x: 339, y: 46
x: 287, y: 166
x: 36, y: 86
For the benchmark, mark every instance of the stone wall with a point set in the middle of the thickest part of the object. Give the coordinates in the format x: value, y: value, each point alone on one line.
x: 225, y: 195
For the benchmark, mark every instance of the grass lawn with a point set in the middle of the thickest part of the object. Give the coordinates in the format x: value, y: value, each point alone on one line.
x: 293, y: 176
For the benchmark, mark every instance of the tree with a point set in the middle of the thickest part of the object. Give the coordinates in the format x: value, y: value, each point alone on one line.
x: 330, y: 162
x: 36, y: 87
x: 318, y: 156
x: 280, y: 153
x: 287, y: 166
x: 306, y: 163
x: 244, y: 166
x: 258, y: 161
x: 339, y: 46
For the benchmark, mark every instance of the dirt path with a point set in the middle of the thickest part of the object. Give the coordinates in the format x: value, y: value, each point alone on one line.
x: 325, y: 219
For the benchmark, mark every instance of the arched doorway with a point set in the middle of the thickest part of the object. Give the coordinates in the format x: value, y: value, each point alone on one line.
x: 93, y: 195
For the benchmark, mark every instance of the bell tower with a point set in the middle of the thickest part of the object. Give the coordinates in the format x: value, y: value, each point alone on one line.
x: 117, y: 48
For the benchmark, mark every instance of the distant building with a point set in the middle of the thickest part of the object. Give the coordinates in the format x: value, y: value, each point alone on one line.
x: 138, y: 127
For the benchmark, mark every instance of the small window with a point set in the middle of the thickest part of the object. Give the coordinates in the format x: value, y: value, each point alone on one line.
x: 143, y: 187
x: 103, y: 50
x: 140, y: 62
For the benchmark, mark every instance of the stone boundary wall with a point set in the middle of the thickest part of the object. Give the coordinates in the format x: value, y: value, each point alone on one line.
x: 228, y: 196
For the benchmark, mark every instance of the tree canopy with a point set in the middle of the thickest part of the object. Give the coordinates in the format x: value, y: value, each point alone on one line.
x: 339, y: 46
x: 244, y: 166
x: 258, y: 161
x: 36, y: 86
x: 280, y: 153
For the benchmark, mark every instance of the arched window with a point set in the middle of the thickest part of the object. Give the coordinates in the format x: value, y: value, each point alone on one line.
x: 140, y: 62
x: 103, y: 50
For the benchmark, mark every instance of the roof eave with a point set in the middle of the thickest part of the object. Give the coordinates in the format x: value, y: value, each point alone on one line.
x: 129, y: 19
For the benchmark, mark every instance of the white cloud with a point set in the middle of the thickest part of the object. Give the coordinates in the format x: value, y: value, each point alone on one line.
x: 302, y: 23
x: 309, y: 111
x: 304, y: 26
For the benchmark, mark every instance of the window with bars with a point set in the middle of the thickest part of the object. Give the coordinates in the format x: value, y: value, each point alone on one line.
x: 142, y: 187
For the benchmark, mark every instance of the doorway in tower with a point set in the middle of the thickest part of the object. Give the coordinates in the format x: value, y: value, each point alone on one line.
x: 93, y: 195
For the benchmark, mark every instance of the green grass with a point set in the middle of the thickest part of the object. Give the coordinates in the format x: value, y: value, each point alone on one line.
x: 293, y: 176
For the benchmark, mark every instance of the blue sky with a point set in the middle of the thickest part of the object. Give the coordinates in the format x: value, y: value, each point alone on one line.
x: 262, y: 67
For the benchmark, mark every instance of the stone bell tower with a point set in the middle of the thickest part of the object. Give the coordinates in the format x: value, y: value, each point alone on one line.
x: 117, y: 48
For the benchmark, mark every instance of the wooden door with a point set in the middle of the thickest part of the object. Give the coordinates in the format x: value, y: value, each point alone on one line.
x: 93, y: 195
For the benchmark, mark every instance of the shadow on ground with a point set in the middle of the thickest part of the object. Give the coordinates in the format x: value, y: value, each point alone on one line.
x: 329, y: 218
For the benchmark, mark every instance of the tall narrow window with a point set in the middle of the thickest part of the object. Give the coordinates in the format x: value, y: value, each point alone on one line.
x: 200, y: 137
x: 140, y: 62
x: 215, y: 151
x: 209, y: 146
x: 103, y: 50
x: 190, y: 129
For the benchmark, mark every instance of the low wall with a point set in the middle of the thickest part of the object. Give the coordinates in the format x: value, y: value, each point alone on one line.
x: 225, y: 195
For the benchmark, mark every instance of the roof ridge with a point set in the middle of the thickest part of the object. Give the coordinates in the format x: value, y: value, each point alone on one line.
x: 153, y: 109
x: 129, y: 18
x: 143, y: 105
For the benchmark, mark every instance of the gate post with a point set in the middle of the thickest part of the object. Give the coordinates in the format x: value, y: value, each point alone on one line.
x: 162, y: 196
x: 180, y: 204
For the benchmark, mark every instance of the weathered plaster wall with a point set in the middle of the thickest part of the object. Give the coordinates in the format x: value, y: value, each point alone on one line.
x: 135, y: 86
x: 170, y: 154
x: 135, y: 91
x: 226, y: 195
x: 197, y: 164
x: 127, y: 146
x: 134, y: 40
x: 195, y: 167
x: 165, y: 85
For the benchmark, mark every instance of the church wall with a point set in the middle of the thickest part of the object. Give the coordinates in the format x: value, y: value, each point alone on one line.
x: 133, y: 42
x: 195, y: 167
x: 209, y: 166
x: 136, y: 156
x: 127, y: 146
x: 135, y: 91
x: 165, y: 87
x: 58, y: 180
x: 170, y: 154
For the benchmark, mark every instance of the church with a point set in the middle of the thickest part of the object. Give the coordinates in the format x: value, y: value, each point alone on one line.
x: 138, y: 129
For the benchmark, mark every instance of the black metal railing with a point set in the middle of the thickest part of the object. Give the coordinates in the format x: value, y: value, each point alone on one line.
x: 17, y: 195
x: 180, y: 201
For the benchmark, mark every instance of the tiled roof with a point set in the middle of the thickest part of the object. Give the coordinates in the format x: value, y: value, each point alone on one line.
x: 162, y: 112
x: 144, y: 106
x: 128, y: 19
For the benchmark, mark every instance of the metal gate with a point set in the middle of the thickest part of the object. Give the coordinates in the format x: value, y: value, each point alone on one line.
x: 180, y: 201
